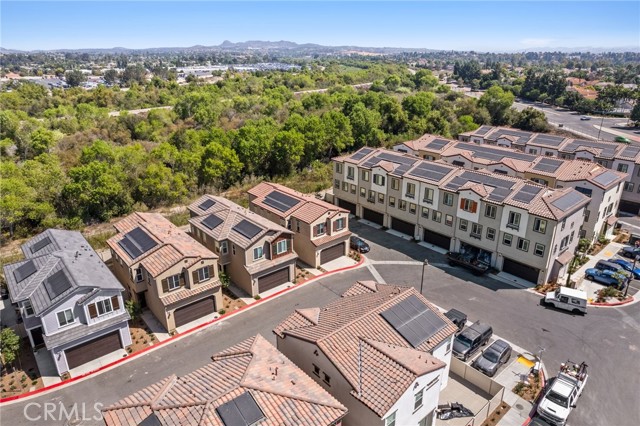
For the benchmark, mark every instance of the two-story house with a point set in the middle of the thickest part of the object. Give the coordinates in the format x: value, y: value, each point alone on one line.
x: 382, y: 350
x: 321, y: 230
x: 71, y: 303
x: 250, y: 383
x: 164, y: 269
x: 255, y: 253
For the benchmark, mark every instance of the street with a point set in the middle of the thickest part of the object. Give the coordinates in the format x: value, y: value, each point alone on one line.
x: 606, y: 338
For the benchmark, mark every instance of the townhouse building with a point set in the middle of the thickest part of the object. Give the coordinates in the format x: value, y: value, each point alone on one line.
x: 603, y: 186
x: 255, y: 253
x: 321, y: 229
x: 517, y: 226
x: 164, y: 269
x: 612, y: 155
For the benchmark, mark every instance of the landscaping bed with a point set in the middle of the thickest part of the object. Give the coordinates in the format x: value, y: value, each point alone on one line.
x: 141, y: 336
x: 24, y: 377
x: 230, y: 302
x: 609, y: 295
x: 495, y: 417
x: 530, y: 388
x: 301, y: 275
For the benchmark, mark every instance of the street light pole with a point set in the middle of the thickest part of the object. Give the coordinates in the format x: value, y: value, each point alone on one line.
x: 425, y: 263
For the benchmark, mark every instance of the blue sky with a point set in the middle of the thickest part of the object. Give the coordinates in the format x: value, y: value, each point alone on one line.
x: 477, y: 25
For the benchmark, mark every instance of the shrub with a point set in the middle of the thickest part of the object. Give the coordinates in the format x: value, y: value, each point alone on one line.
x: 222, y: 311
x: 257, y: 297
x: 225, y: 280
x: 133, y: 308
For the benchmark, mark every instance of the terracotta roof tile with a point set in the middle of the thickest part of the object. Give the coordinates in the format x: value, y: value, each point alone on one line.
x: 185, y: 293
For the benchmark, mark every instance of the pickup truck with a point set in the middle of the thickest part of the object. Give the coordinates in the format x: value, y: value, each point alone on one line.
x: 562, y: 394
x: 468, y: 261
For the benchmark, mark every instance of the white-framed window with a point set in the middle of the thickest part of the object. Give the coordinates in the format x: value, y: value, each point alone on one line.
x: 258, y: 253
x: 173, y: 282
x: 336, y: 183
x: 411, y: 190
x: 507, y: 239
x: 321, y: 229
x: 468, y: 205
x: 539, y: 250
x: 392, y: 201
x: 395, y: 184
x: 380, y: 198
x: 363, y: 191
x: 490, y: 211
x: 514, y: 220
x: 345, y: 185
x: 139, y: 276
x: 428, y: 420
x: 447, y: 199
x: 340, y: 224
x: 476, y: 230
x: 104, y: 306
x: 463, y: 225
x: 28, y: 309
x: 391, y: 419
x: 65, y: 317
x: 540, y: 225
x: 402, y: 205
x: 281, y: 246
x: 428, y: 196
x: 372, y: 196
x: 224, y: 247
x: 623, y: 168
x: 378, y: 179
x: 523, y: 244
x: 448, y: 220
x: 203, y: 274
x: 353, y: 189
x: 365, y: 175
x: 491, y: 234
x: 436, y: 216
x: 412, y: 208
x: 417, y: 400
x: 425, y: 212
x: 628, y: 186
x: 350, y: 173
x: 338, y: 167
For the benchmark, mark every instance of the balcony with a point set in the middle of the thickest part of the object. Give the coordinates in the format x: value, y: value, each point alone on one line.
x: 371, y: 199
x: 513, y: 226
x: 475, y: 235
x: 411, y: 196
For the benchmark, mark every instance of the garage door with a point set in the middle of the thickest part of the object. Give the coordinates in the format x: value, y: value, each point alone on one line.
x: 193, y: 311
x: 520, y: 270
x: 403, y: 226
x: 372, y: 216
x: 93, y: 349
x: 331, y: 253
x: 273, y: 279
x: 347, y: 205
x: 437, y: 239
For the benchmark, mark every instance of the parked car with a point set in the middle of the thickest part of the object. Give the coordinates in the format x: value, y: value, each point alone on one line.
x: 630, y: 251
x: 627, y: 266
x: 585, y: 118
x: 538, y: 421
x: 605, y: 265
x: 358, y: 244
x: 469, y: 341
x: 498, y: 353
x: 621, y: 139
x: 457, y: 317
x: 603, y: 277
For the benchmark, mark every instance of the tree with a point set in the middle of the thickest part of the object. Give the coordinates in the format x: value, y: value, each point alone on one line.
x: 365, y: 126
x: 532, y: 120
x: 9, y: 346
x: 286, y: 152
x: 497, y: 102
x: 635, y: 114
x: 159, y: 186
x: 75, y: 78
x: 110, y: 76
x: 134, y: 74
x: 220, y: 165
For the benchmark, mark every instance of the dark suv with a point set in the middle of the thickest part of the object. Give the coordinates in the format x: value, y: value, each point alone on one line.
x: 470, y: 340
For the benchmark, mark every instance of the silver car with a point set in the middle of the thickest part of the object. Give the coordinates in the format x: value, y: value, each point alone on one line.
x: 498, y: 353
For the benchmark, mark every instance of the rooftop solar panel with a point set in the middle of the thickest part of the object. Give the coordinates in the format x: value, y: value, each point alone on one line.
x: 247, y: 229
x: 483, y: 130
x: 499, y: 194
x: 137, y: 242
x: 430, y: 171
x: 212, y: 221
x: 568, y: 200
x: 606, y: 178
x: 279, y: 201
x: 206, y: 204
x: 487, y: 180
x: 24, y: 271
x: 548, y: 165
x: 150, y: 420
x: 608, y: 149
x: 548, y: 140
x: 361, y: 154
x: 413, y: 320
x: 240, y: 411
x: 40, y: 245
x: 57, y: 284
x: 438, y: 143
x: 495, y: 154
x: 630, y: 151
x: 527, y: 193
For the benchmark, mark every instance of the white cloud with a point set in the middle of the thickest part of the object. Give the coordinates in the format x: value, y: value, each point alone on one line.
x: 536, y: 42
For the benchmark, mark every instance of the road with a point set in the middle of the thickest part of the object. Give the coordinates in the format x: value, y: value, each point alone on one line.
x: 137, y: 111
x: 607, y: 339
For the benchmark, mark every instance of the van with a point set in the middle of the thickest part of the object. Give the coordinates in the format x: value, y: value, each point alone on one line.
x: 569, y: 299
x: 469, y: 341
x: 605, y: 265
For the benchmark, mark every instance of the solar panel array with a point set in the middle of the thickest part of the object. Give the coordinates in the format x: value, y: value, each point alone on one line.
x: 487, y: 180
x: 527, y: 193
x: 57, y: 284
x: 455, y: 183
x: 136, y: 242
x: 212, y: 221
x: 630, y: 151
x: 525, y: 136
x: 415, y: 322
x: 499, y: 194
x: 495, y: 154
x: 567, y: 201
x: 24, y: 271
x: 405, y: 163
x: 438, y: 143
x: 279, y: 201
x: 430, y: 171
x: 150, y: 420
x: 206, y: 204
x: 548, y: 140
x: 548, y: 165
x: 608, y: 149
x: 40, y: 245
x: 482, y: 130
x: 606, y: 178
x: 247, y: 229
x: 240, y: 411
x: 361, y: 154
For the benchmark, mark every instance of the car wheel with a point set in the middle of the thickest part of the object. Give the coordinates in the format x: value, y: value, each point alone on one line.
x: 576, y: 311
x: 589, y: 277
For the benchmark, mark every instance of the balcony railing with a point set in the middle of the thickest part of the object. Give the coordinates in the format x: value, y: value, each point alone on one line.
x: 513, y: 226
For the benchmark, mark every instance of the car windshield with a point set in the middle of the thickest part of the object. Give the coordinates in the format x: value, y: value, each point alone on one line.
x: 491, y: 355
x: 558, y: 399
x: 464, y: 340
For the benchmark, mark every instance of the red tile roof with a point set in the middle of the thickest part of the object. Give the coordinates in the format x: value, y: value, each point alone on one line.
x: 284, y: 393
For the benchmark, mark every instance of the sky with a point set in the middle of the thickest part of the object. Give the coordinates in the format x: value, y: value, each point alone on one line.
x: 450, y: 25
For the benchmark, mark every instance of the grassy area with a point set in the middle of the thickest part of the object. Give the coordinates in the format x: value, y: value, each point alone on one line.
x: 179, y: 219
x: 99, y: 241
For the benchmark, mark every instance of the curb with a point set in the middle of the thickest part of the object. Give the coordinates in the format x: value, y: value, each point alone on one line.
x: 177, y: 336
x: 533, y: 411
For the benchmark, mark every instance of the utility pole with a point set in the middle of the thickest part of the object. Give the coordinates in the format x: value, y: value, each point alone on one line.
x: 425, y: 263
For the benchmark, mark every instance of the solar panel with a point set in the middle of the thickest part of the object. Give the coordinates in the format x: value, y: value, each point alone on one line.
x: 279, y: 201
x: 483, y: 130
x: 548, y: 165
x: 630, y: 151
x: 150, y: 420
x: 415, y: 322
x: 212, y: 221
x: 491, y: 153
x: 606, y: 178
x: 438, y: 143
x: 129, y: 247
x: 499, y: 194
x: 548, y: 140
x: 57, y: 284
x: 361, y: 154
x: 526, y: 193
x: 206, y: 204
x: 240, y: 411
x: 608, y: 149
x: 40, y: 245
x: 568, y: 200
x: 247, y: 229
x: 136, y: 242
x: 24, y: 271
x: 430, y: 171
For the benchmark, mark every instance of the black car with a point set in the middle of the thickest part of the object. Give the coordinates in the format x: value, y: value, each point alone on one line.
x: 630, y: 251
x: 358, y: 244
x: 459, y: 319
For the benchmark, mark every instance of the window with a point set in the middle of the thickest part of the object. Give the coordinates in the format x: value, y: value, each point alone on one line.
x: 339, y: 224
x: 491, y: 234
x: 327, y: 379
x: 258, y: 253
x: 391, y: 420
x: 432, y: 383
x: 427, y: 421
x: 417, y: 401
x: 448, y: 220
x: 539, y: 225
x: 28, y: 309
x: 350, y: 173
x: 203, y: 274
x: 338, y: 167
x: 412, y: 208
x: 321, y: 229
x: 233, y: 249
x: 490, y: 211
x: 392, y: 201
x: 378, y: 180
x: 447, y: 199
x: 411, y: 190
x: 298, y: 226
x: 428, y: 196
x: 523, y: 244
x: 402, y: 205
x: 463, y: 225
x: 353, y: 189
x: 623, y: 168
x: 571, y: 236
x: 533, y: 151
x: 628, y: 186
x: 363, y: 192
x: 104, y: 306
x: 316, y: 370
x: 506, y: 239
x: 65, y: 317
x: 372, y: 196
x: 380, y: 198
x: 436, y: 216
x: 564, y: 223
x: 425, y: 212
x: 281, y: 246
x: 173, y: 282
x: 514, y: 220
x: 345, y: 186
x: 476, y: 230
x: 365, y: 175
x: 139, y: 276
x: 585, y: 191
x: 539, y: 250
x: 429, y: 157
x: 564, y: 243
x: 540, y: 181
x: 395, y: 184
x: 548, y: 153
x: 458, y: 163
x: 224, y: 248
x: 468, y: 205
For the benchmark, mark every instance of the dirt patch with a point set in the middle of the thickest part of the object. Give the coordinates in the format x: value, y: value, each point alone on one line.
x: 495, y: 417
x: 25, y: 377
x: 622, y: 237
x: 141, y: 336
x: 546, y: 288
x: 355, y: 255
x: 301, y: 275
x: 529, y: 388
x: 230, y: 302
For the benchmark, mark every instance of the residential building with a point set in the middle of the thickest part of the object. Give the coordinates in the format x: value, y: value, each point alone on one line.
x: 70, y: 302
x: 603, y: 186
x: 517, y: 226
x: 612, y: 155
x: 321, y: 230
x: 255, y: 253
x: 164, y: 269
x: 251, y: 383
x: 382, y: 350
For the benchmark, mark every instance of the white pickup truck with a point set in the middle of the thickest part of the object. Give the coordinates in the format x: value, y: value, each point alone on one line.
x: 563, y: 393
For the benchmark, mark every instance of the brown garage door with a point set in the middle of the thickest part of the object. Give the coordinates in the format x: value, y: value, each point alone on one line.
x: 347, y: 205
x: 273, y: 279
x: 372, y: 216
x: 403, y: 226
x: 331, y: 253
x: 521, y: 270
x: 195, y: 310
x: 93, y: 349
x: 437, y: 239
